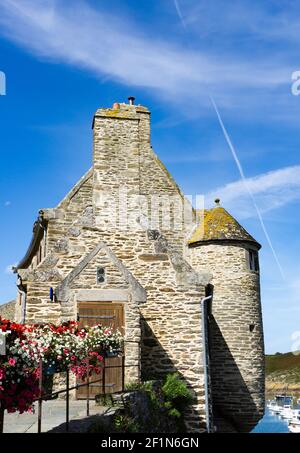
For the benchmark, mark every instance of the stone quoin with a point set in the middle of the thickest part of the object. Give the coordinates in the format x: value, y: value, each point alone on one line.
x: 125, y: 236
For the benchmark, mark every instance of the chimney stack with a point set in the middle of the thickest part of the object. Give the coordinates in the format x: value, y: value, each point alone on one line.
x: 131, y: 100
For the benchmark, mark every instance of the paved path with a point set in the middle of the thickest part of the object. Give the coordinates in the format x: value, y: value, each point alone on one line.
x: 53, y: 415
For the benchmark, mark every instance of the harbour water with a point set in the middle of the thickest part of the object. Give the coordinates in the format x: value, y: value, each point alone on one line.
x: 271, y: 423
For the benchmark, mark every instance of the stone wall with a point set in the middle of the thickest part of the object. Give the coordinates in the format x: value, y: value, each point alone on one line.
x: 236, y: 334
x: 7, y: 310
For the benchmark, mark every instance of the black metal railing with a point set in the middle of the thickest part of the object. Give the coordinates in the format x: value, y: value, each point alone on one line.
x: 67, y: 389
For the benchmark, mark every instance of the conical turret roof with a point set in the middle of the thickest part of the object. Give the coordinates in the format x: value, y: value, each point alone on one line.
x: 218, y: 225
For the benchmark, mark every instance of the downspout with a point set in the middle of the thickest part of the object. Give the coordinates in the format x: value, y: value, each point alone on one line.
x: 206, y: 360
x: 24, y: 297
x: 22, y: 291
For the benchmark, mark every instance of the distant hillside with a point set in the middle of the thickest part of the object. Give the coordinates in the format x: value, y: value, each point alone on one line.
x: 8, y: 310
x: 283, y: 370
x: 280, y: 361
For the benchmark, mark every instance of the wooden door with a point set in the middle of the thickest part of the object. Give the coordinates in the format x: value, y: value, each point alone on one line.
x: 108, y: 314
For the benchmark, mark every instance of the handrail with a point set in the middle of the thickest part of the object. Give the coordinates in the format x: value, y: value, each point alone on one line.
x: 67, y: 389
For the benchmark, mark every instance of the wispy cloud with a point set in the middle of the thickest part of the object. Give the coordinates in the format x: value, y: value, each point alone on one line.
x: 272, y: 190
x: 178, y: 9
x: 273, y: 21
x: 109, y: 46
x: 7, y: 203
x: 247, y: 186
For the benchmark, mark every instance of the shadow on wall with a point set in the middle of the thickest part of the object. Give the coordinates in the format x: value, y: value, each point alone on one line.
x: 234, y: 408
x: 156, y: 363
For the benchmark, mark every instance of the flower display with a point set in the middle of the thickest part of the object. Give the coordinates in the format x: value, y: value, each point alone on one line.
x: 60, y: 348
x: 19, y: 378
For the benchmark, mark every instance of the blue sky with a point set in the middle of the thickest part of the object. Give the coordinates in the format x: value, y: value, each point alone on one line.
x: 63, y: 60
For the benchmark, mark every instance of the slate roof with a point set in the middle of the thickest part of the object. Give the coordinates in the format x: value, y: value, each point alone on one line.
x: 218, y: 225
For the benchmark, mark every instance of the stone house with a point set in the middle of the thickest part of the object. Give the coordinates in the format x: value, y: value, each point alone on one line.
x: 126, y: 248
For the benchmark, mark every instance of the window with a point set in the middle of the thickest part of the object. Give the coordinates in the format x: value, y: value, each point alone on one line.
x: 100, y: 275
x: 253, y: 260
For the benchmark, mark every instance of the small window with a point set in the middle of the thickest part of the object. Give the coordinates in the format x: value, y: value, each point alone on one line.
x: 253, y: 260
x: 251, y: 327
x: 100, y: 275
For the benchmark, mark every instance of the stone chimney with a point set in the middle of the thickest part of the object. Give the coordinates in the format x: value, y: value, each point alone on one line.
x: 121, y: 140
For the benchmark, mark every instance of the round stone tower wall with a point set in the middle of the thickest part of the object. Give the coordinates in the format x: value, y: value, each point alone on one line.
x: 236, y: 334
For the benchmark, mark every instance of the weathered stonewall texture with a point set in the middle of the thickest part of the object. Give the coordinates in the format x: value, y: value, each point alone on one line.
x: 8, y: 310
x: 128, y: 216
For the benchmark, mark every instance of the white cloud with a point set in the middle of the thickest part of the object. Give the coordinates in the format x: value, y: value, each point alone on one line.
x: 271, y: 190
x: 110, y: 46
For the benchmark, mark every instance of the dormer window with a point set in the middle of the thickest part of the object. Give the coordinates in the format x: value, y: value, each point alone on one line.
x: 253, y: 260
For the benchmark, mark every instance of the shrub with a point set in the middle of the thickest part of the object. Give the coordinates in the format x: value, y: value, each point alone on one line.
x: 153, y: 407
x: 176, y: 392
x: 125, y: 424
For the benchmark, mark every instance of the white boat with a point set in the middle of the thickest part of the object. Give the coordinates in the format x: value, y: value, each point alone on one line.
x: 270, y: 404
x: 280, y: 403
x: 294, y: 427
x: 294, y: 424
x: 287, y: 412
x: 296, y: 413
x: 275, y: 408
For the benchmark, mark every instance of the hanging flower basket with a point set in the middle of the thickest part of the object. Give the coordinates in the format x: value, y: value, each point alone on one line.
x: 60, y: 348
x: 51, y: 369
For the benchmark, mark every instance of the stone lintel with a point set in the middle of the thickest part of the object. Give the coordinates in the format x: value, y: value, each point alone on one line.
x: 102, y: 295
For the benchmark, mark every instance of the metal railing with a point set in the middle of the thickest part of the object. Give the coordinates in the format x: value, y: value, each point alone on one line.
x: 67, y: 390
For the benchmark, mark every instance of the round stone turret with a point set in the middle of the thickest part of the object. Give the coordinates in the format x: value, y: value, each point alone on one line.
x: 223, y: 247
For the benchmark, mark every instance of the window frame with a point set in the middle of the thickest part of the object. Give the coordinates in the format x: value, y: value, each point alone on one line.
x: 252, y: 260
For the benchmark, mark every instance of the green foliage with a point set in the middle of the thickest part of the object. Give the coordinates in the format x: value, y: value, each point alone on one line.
x: 166, y: 403
x: 105, y: 400
x: 125, y: 424
x: 133, y: 386
x: 174, y: 413
x: 155, y: 407
x: 282, y: 362
x: 176, y: 392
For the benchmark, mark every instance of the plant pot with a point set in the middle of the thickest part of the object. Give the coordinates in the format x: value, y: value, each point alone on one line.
x: 51, y: 369
x: 111, y: 354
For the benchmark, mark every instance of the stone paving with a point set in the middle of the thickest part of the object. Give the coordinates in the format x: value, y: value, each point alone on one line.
x: 53, y: 415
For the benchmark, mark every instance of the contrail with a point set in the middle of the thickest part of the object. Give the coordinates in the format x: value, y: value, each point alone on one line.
x: 239, y: 166
x: 244, y: 179
x: 179, y: 13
